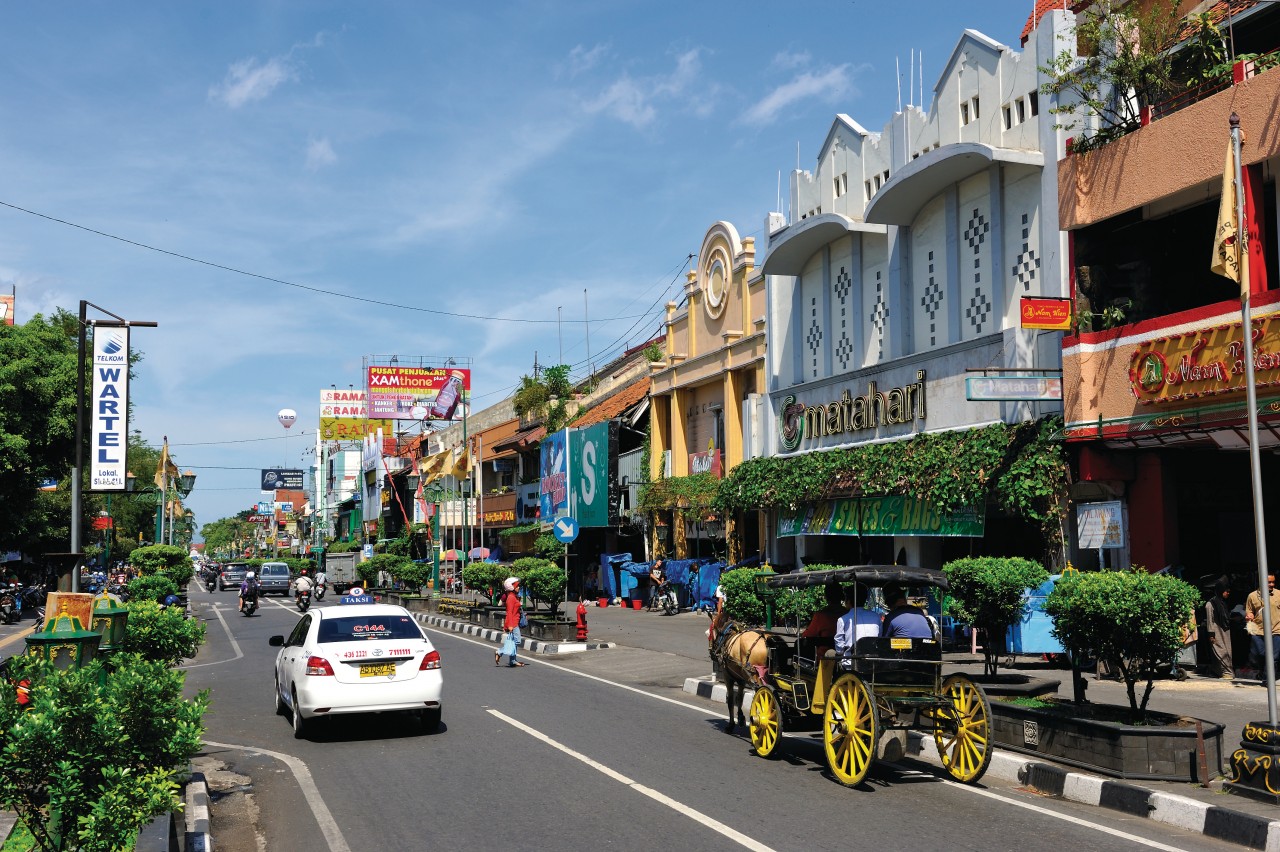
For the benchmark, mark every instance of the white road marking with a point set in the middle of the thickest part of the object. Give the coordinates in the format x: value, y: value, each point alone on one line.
x: 328, y: 826
x: 804, y: 736
x: 662, y: 799
x: 235, y: 646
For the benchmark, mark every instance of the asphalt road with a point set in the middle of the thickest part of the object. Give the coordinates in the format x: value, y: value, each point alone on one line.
x: 582, y: 752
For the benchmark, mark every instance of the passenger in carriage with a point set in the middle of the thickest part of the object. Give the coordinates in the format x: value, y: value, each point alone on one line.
x: 819, y: 636
x: 858, y: 623
x: 904, y: 621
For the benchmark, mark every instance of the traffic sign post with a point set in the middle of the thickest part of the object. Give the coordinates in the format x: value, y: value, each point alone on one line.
x: 566, y: 531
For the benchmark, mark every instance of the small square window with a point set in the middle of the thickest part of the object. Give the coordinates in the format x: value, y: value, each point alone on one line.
x: 1007, y: 117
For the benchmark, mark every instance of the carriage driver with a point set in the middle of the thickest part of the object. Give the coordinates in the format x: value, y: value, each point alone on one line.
x: 904, y: 620
x: 821, y: 632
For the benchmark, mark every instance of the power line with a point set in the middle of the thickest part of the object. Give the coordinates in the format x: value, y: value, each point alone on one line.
x: 260, y: 277
x: 238, y: 441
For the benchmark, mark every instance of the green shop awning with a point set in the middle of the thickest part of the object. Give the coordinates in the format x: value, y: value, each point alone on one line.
x: 891, y: 515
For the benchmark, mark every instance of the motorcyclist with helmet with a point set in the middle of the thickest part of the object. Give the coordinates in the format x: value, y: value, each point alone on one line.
x: 302, y: 585
x: 249, y: 588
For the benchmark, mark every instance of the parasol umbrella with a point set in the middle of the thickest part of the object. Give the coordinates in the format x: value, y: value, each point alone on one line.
x: 450, y: 555
x: 478, y: 553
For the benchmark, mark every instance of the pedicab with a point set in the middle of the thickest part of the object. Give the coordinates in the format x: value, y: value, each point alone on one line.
x: 863, y: 702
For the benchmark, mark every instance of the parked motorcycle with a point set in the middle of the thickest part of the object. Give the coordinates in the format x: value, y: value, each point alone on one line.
x: 303, y: 601
x: 9, y: 611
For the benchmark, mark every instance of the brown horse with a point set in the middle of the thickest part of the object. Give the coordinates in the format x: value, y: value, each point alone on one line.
x: 743, y: 655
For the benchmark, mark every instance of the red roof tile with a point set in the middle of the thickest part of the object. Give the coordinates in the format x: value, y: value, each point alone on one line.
x: 1041, y: 9
x: 613, y: 406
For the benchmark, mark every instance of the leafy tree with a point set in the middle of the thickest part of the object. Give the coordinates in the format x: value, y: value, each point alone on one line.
x: 741, y: 598
x: 988, y: 592
x: 543, y: 579
x: 484, y: 577
x: 228, y: 534
x: 1131, y: 620
x: 545, y: 397
x: 37, y: 427
x: 379, y: 562
x: 547, y: 546
x: 99, y: 750
x: 162, y: 633
x: 1118, y: 64
x: 414, y: 575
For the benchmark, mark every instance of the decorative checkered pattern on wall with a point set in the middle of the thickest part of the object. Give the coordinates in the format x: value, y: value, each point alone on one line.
x: 842, y: 287
x: 931, y: 301
x: 1027, y: 262
x: 978, y: 311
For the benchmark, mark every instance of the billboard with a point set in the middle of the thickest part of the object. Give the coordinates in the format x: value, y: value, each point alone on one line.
x: 276, y: 477
x: 343, y: 403
x: 352, y: 429
x: 418, y: 393
x: 593, y: 454
x: 554, y: 485
x: 110, y: 406
x: 6, y: 309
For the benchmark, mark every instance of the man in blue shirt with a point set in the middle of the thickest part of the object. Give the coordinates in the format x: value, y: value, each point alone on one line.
x: 904, y: 621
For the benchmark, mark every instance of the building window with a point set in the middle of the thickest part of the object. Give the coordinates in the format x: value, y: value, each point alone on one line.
x: 975, y: 108
x: 867, y: 186
x: 1008, y: 117
x: 964, y: 114
x: 842, y: 184
x: 886, y: 175
x: 1034, y: 98
x: 969, y: 111
x: 1021, y: 106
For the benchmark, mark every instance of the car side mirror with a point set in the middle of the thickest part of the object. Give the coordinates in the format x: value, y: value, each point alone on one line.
x: 276, y: 641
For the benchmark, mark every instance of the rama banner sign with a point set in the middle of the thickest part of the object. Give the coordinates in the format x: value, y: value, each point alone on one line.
x: 593, y: 455
x: 109, y: 429
x: 554, y: 484
x: 343, y: 403
x: 892, y: 515
x: 353, y: 429
x: 418, y: 393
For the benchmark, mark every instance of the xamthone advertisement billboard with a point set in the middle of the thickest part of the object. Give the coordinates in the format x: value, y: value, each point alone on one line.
x: 110, y: 407
x: 343, y: 403
x: 418, y: 393
x: 554, y: 485
x: 593, y: 466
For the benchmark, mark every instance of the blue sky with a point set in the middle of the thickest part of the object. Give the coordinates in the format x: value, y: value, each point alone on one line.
x: 490, y: 159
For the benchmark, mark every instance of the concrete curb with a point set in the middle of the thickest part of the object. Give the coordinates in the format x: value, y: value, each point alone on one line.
x: 197, y: 832
x: 1244, y: 829
x: 535, y: 646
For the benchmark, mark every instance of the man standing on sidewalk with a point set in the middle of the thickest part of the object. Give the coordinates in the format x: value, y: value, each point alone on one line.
x: 1253, y: 623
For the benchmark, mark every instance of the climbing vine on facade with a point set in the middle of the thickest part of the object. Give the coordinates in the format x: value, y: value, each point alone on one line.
x: 697, y: 493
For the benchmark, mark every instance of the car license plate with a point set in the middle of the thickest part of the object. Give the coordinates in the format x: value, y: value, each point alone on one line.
x: 378, y: 670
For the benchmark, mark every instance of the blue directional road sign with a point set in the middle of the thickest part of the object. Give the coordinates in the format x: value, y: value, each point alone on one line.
x: 565, y: 529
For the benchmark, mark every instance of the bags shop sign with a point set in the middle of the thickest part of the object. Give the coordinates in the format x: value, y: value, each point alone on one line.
x: 798, y: 422
x: 891, y: 515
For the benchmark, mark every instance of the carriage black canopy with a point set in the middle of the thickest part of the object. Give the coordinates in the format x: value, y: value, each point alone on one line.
x: 871, y: 575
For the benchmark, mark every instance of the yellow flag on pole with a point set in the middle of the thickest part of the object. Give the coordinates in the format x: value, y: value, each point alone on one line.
x: 462, y: 466
x: 1230, y: 250
x: 432, y: 467
x: 165, y: 469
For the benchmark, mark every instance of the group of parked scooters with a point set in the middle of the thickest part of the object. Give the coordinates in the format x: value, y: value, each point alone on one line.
x: 15, y: 598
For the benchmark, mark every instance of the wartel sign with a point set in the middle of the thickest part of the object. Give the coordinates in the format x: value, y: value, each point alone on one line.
x: 109, y: 408
x: 797, y: 421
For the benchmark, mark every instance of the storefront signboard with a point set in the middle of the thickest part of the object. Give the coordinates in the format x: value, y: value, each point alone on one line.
x: 798, y: 422
x: 708, y: 462
x: 594, y: 470
x: 891, y: 515
x: 1100, y: 525
x: 1019, y: 388
x: 1204, y: 362
x: 343, y: 403
x: 1046, y: 313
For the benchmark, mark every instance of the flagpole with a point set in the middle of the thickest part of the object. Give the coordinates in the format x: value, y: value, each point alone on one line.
x: 1255, y: 461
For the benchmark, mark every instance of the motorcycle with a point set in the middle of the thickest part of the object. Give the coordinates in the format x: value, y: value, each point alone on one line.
x: 303, y: 601
x: 320, y: 591
x: 9, y: 611
x: 670, y: 603
x: 250, y: 604
x: 211, y: 583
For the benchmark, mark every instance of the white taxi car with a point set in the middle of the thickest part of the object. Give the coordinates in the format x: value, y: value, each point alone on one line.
x: 357, y: 658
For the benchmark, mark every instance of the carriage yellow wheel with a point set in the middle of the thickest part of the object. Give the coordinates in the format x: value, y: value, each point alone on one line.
x: 850, y: 728
x: 765, y: 724
x: 963, y: 730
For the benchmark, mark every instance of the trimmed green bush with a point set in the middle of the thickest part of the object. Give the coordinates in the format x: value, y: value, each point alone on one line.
x: 151, y: 587
x: 542, y: 579
x: 388, y: 562
x: 165, y: 559
x: 161, y: 633
x: 547, y: 546
x: 741, y: 600
x: 413, y: 574
x: 1131, y: 620
x: 485, y: 577
x: 99, y: 751
x: 989, y: 592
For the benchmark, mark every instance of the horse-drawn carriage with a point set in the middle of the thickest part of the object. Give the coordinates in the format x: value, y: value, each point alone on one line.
x: 864, y: 701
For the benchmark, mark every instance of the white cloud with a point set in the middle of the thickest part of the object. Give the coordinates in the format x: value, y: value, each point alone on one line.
x: 319, y: 154
x: 247, y: 80
x: 790, y: 61
x: 633, y: 100
x: 827, y: 85
x: 584, y: 59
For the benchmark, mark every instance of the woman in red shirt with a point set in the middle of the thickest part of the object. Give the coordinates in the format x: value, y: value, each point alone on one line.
x: 510, y: 624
